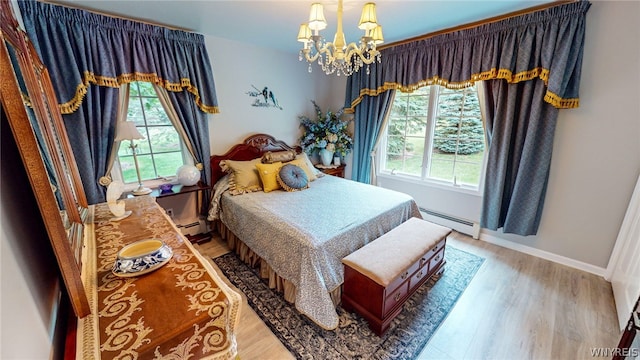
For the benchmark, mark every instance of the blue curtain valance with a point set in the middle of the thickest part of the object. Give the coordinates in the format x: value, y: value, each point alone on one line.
x: 546, y: 44
x: 107, y: 51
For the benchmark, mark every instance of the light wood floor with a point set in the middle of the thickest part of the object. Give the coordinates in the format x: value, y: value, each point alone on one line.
x: 516, y: 307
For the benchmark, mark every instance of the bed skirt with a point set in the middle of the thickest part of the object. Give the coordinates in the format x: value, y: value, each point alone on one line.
x: 276, y: 282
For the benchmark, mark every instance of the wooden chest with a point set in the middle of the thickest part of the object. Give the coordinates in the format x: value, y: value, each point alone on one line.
x: 378, y: 280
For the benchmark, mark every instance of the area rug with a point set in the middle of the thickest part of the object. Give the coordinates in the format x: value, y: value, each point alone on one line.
x: 408, y: 334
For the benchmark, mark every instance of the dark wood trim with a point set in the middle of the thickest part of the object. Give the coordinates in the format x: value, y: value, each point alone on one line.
x: 478, y: 23
x: 251, y: 148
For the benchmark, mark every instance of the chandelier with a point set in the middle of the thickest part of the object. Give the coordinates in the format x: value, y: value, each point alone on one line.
x: 338, y: 56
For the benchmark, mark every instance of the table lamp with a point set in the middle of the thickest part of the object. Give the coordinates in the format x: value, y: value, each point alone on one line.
x: 127, y: 131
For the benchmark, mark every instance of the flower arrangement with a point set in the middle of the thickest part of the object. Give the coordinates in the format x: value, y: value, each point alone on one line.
x: 326, y: 132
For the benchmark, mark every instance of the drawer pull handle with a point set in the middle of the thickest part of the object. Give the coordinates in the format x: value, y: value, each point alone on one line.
x: 437, y: 258
x: 404, y: 276
x: 397, y: 297
x: 423, y: 259
x: 419, y: 275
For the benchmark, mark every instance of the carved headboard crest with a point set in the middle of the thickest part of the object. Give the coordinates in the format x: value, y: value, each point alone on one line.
x: 252, y: 147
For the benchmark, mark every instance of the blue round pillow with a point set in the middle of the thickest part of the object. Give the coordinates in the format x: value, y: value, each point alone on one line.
x: 292, y: 178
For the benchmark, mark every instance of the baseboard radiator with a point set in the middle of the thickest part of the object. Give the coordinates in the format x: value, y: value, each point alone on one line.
x: 464, y: 226
x: 194, y: 228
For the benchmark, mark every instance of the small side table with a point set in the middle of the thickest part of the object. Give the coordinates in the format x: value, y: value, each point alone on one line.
x: 335, y: 170
x: 179, y: 189
x: 175, y: 190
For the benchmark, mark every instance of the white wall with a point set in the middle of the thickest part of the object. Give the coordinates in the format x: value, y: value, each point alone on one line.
x: 238, y: 66
x: 29, y: 278
x: 596, y: 155
x: 23, y: 334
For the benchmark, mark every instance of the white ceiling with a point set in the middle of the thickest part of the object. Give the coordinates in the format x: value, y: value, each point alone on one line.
x: 274, y: 24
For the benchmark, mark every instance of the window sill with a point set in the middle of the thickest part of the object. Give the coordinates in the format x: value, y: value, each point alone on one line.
x: 431, y: 183
x: 151, y: 184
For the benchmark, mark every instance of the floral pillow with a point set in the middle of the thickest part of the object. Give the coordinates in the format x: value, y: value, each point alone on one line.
x: 244, y: 176
x: 292, y: 178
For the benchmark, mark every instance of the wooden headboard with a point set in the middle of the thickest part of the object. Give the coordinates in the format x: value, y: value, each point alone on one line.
x: 252, y: 147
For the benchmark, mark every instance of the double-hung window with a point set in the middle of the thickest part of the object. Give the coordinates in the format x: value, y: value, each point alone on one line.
x: 435, y: 134
x: 161, y: 151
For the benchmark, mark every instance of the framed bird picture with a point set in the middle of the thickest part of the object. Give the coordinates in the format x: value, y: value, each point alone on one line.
x: 264, y: 97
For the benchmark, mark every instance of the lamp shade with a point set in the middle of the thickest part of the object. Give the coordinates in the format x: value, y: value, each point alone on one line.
x: 368, y: 18
x: 376, y: 35
x: 304, y: 34
x: 316, y: 17
x: 127, y: 131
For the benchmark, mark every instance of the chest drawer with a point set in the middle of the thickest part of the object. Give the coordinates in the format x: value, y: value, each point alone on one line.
x: 398, y: 281
x: 395, y: 298
x: 436, y: 259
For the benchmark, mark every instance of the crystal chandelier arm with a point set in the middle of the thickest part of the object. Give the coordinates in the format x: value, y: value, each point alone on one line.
x: 307, y: 55
x: 353, y: 49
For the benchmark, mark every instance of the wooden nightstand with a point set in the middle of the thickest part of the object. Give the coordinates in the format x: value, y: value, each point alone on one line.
x: 335, y: 171
x: 178, y: 189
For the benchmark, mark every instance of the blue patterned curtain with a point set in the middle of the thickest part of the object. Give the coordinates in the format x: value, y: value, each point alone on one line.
x: 87, y: 52
x: 368, y: 120
x: 196, y: 126
x: 546, y: 44
x: 520, y: 128
x: 534, y: 61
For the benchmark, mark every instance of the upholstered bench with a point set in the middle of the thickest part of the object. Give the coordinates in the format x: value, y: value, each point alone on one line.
x: 381, y: 275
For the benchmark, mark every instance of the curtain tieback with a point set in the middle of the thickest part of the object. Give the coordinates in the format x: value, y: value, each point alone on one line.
x: 104, y: 180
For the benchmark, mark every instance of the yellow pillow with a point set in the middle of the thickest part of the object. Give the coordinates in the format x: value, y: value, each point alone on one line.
x: 317, y: 173
x: 244, y: 176
x: 268, y: 174
x: 302, y: 163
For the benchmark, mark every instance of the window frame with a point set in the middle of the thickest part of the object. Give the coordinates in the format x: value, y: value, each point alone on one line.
x: 423, y: 178
x: 116, y: 170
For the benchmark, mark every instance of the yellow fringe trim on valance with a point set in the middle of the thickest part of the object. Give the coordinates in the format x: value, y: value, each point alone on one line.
x: 494, y: 73
x: 561, y: 103
x: 90, y: 78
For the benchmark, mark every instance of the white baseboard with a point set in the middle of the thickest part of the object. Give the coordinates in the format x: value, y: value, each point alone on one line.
x: 596, y: 270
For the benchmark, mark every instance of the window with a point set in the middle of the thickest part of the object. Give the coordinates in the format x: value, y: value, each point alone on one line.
x: 161, y: 152
x: 445, y: 122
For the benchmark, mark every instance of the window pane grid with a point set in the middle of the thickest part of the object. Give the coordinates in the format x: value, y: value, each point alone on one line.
x: 452, y: 135
x: 160, y: 153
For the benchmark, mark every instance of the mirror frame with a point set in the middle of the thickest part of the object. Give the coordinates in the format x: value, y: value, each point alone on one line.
x: 66, y: 232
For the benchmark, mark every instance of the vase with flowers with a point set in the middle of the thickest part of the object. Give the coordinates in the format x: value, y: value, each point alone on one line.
x: 327, y: 134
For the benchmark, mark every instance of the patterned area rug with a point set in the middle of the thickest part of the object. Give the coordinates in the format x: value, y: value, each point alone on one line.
x: 408, y: 334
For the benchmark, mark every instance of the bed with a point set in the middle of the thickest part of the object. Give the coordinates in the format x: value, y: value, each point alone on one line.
x: 298, y: 239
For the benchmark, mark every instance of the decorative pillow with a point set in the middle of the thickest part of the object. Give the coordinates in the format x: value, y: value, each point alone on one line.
x: 278, y: 156
x: 301, y: 163
x: 314, y: 170
x: 292, y: 178
x: 268, y: 175
x: 244, y: 176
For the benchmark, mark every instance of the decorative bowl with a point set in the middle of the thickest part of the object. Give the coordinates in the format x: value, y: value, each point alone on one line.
x: 141, y: 257
x: 165, y: 188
